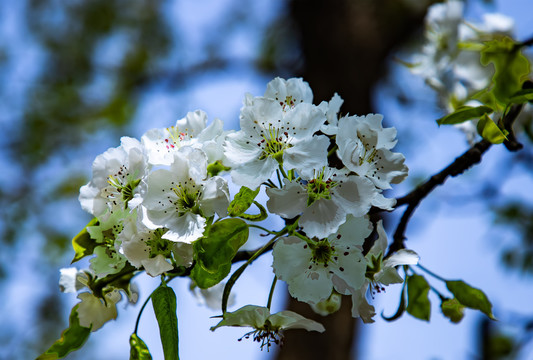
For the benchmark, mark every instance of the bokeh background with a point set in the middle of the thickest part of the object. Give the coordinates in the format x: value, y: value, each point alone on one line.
x: 76, y: 75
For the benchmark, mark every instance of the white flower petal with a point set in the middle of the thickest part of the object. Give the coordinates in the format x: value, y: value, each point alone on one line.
x: 311, y: 286
x: 288, y: 201
x: 307, y: 155
x: 322, y: 218
x: 402, y: 257
x: 291, y: 256
x: 185, y: 228
x: 382, y: 202
x: 353, y: 232
x: 183, y: 254
x: 279, y: 89
x: 156, y: 266
x: 254, y: 173
x: 354, y: 195
x: 290, y: 320
x: 360, y: 306
x: 215, y: 197
x: 387, y: 276
x: 249, y: 315
x: 240, y: 148
x: 350, y: 268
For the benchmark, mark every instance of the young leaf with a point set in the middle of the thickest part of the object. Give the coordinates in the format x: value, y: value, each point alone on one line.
x: 463, y: 114
x: 82, y: 243
x: 164, y: 303
x: 216, y: 249
x: 511, y: 67
x: 71, y: 339
x: 242, y: 201
x: 453, y: 310
x: 521, y: 96
x: 490, y: 131
x: 470, y: 297
x: 417, y: 295
x: 138, y: 349
x: 205, y: 279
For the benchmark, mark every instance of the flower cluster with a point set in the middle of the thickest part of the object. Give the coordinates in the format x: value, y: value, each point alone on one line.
x: 449, y: 61
x: 161, y: 205
x: 450, y: 58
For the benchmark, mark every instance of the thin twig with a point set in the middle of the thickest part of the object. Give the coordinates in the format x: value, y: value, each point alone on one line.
x: 460, y: 165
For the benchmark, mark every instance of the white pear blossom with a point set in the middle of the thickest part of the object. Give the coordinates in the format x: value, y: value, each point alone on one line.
x: 94, y: 312
x: 360, y: 306
x: 313, y: 268
x: 146, y: 248
x: 290, y: 92
x: 380, y: 273
x: 182, y: 197
x: 450, y: 68
x: 276, y: 130
x: 383, y: 272
x: 193, y: 131
x: 323, y: 200
x: 267, y: 327
x: 364, y: 148
x: 116, y: 176
x: 107, y: 259
x: 331, y: 110
x: 442, y: 33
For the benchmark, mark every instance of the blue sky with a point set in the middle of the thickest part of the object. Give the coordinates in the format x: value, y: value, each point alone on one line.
x: 455, y: 241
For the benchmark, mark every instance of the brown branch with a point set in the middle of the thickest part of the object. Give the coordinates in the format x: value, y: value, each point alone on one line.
x: 511, y: 143
x: 460, y: 165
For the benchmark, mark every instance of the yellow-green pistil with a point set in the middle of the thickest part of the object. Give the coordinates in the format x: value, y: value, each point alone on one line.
x: 319, y: 188
x: 274, y: 142
x: 187, y: 198
x: 158, y: 245
x: 322, y: 252
x: 367, y: 153
x: 124, y: 185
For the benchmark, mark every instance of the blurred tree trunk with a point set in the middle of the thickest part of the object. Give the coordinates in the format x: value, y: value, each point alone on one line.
x: 345, y: 45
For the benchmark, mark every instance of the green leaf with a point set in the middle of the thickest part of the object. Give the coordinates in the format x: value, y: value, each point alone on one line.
x: 470, y: 297
x: 164, y: 303
x: 138, y: 349
x: 216, y: 249
x: 521, y: 96
x: 71, y: 339
x: 205, y: 279
x: 511, y: 67
x: 463, y: 114
x: 242, y: 201
x: 82, y: 243
x: 490, y: 131
x: 453, y: 310
x: 417, y: 294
